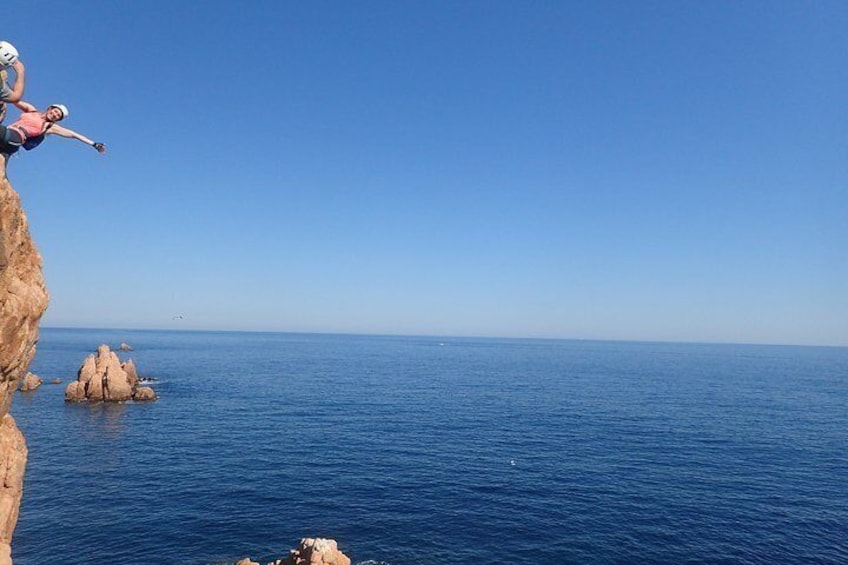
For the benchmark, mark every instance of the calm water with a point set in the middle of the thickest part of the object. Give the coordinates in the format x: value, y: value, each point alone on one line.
x: 439, y: 451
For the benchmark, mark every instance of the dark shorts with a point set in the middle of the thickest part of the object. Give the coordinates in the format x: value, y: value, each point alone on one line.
x: 10, y: 140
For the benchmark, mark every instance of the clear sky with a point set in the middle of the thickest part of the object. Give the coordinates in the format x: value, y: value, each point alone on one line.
x: 616, y: 170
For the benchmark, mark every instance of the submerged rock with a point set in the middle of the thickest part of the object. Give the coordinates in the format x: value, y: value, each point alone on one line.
x: 104, y: 378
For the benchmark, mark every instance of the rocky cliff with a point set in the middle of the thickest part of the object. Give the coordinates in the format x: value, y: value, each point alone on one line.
x: 23, y: 300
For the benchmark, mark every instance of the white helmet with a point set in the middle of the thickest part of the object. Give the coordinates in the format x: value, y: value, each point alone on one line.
x: 8, y: 54
x: 62, y: 108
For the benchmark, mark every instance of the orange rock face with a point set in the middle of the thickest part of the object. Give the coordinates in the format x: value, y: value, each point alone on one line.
x: 23, y: 299
x: 13, y: 456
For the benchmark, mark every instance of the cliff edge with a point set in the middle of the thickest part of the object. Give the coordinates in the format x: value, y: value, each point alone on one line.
x: 23, y: 299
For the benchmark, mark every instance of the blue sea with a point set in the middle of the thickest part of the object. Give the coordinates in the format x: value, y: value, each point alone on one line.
x: 436, y: 450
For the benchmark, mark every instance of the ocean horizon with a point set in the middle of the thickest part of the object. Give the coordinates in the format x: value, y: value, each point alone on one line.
x: 114, y: 330
x: 438, y: 449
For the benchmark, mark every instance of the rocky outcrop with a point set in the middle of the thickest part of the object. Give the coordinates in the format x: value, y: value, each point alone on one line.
x: 316, y: 551
x: 125, y: 346
x: 102, y: 378
x: 312, y: 551
x: 23, y: 300
x: 31, y: 382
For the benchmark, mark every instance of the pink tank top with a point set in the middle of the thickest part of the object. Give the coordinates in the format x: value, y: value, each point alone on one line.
x: 30, y: 124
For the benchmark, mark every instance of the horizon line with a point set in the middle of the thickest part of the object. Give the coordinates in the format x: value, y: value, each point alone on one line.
x: 442, y: 336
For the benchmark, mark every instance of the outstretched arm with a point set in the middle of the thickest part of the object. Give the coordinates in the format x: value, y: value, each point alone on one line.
x: 20, y: 81
x: 56, y: 129
x: 26, y: 106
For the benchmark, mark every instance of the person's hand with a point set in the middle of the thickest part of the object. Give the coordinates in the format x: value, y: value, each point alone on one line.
x: 18, y: 66
x: 100, y: 147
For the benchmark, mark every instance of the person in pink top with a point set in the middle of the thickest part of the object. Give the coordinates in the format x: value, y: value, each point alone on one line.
x: 33, y: 126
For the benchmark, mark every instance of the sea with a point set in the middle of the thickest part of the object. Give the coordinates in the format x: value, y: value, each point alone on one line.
x: 438, y: 450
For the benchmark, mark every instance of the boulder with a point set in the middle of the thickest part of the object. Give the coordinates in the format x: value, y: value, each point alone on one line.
x: 104, y: 356
x: 144, y: 394
x: 31, y: 382
x: 116, y: 384
x: 132, y: 374
x: 75, y: 392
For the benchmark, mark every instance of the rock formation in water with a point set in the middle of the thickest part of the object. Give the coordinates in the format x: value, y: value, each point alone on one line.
x: 31, y: 382
x: 125, y: 346
x: 23, y: 300
x: 312, y: 551
x: 102, y: 378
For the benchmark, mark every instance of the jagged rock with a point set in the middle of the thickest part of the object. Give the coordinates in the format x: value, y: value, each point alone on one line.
x: 103, y: 357
x: 125, y: 347
x: 31, y: 382
x: 90, y: 382
x: 116, y: 384
x: 104, y: 378
x: 87, y: 370
x: 144, y: 394
x: 93, y: 389
x: 23, y: 300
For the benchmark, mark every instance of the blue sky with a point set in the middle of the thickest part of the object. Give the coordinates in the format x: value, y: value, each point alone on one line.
x: 612, y: 170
